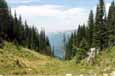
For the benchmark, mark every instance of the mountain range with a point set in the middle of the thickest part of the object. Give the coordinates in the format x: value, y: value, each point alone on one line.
x: 57, y: 42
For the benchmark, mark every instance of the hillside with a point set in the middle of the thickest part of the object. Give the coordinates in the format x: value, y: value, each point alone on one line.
x: 19, y: 60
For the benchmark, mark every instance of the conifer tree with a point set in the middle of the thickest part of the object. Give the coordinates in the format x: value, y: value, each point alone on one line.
x: 69, y: 48
x: 4, y: 15
x: 12, y: 29
x: 90, y: 29
x: 111, y: 24
x: 100, y: 34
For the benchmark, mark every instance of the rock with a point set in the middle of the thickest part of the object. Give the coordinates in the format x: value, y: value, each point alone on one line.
x: 81, y: 75
x: 113, y: 73
x: 68, y: 74
x: 105, y: 74
x: 29, y: 69
x: 107, y: 69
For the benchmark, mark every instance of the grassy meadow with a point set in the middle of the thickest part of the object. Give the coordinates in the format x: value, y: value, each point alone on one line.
x: 19, y: 60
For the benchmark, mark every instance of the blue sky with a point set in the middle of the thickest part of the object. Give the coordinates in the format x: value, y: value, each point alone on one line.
x: 54, y: 15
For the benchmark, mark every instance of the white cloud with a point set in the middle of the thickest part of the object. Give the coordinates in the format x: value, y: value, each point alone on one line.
x: 54, y: 18
x: 45, y: 10
x: 21, y: 1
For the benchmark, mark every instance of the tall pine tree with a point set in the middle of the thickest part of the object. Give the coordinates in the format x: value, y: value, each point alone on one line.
x: 90, y: 28
x: 12, y: 29
x: 100, y: 33
x: 111, y: 24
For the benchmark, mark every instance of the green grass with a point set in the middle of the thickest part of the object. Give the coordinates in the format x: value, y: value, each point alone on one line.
x: 19, y: 60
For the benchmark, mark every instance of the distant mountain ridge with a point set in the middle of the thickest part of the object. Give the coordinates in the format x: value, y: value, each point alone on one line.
x: 57, y: 42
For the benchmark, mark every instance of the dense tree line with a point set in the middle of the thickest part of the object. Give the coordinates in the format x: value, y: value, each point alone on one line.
x: 13, y: 29
x: 99, y: 33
